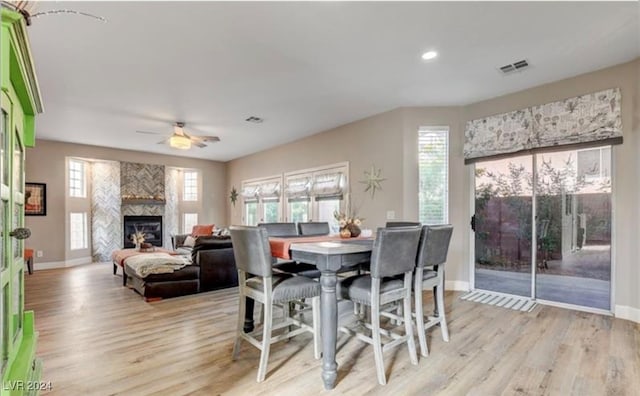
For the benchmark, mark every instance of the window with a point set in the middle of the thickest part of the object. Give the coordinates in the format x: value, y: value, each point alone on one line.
x: 77, y: 185
x: 433, y: 163
x: 78, y: 231
x: 326, y: 207
x: 251, y: 213
x: 299, y: 210
x: 314, y: 194
x: 271, y: 210
x: 261, y: 200
x: 188, y: 221
x: 190, y: 188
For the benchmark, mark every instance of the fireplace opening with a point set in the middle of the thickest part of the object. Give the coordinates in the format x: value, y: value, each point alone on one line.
x: 151, y: 226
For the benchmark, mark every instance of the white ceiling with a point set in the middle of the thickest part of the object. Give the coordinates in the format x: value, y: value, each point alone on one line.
x: 304, y: 67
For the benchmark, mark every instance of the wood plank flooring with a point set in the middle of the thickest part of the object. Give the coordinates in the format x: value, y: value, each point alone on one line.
x: 98, y: 338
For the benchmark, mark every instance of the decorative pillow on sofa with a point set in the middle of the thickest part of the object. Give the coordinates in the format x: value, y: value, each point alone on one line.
x: 202, y: 230
x: 189, y: 241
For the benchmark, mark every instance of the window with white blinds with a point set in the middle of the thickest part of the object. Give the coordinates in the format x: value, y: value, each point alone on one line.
x: 433, y: 170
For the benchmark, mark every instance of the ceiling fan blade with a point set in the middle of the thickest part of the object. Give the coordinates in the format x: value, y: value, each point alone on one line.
x: 209, y: 138
x: 165, y: 141
x: 199, y: 144
x: 149, y: 133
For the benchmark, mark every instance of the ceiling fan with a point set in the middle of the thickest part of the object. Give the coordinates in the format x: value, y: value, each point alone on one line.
x: 181, y: 140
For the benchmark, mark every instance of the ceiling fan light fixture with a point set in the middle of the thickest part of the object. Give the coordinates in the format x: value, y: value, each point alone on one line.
x: 180, y: 142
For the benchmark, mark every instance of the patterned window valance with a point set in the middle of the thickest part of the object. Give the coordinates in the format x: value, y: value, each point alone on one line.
x: 270, y: 191
x: 581, y: 121
x: 299, y: 187
x: 328, y: 185
x: 250, y: 192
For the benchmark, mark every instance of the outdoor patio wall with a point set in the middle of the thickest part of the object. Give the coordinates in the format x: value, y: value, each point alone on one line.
x: 46, y: 164
x: 625, y: 248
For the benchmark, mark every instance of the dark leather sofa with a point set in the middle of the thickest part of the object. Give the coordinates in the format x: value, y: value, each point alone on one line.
x: 213, y: 268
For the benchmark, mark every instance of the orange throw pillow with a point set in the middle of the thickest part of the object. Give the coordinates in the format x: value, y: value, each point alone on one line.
x: 202, y: 230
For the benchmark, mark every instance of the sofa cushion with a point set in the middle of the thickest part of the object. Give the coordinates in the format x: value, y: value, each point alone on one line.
x: 189, y: 241
x: 202, y: 230
x: 184, y: 250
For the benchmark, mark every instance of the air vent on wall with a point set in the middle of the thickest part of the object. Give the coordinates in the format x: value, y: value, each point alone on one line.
x: 255, y: 120
x: 513, y: 67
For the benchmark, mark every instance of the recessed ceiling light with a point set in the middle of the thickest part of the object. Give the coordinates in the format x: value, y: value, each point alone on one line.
x: 429, y: 55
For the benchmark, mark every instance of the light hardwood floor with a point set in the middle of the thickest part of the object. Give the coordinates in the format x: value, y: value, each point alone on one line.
x: 97, y: 337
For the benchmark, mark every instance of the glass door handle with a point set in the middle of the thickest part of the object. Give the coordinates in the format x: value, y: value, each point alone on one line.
x: 473, y: 223
x: 20, y: 233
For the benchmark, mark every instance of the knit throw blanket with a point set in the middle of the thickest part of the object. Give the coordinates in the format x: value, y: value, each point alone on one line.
x: 156, y: 263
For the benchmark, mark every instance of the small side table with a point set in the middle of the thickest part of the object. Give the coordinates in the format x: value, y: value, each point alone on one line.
x: 28, y: 258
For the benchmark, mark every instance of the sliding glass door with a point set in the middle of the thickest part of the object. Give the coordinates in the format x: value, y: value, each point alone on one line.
x: 565, y: 254
x: 502, y: 222
x: 573, y: 206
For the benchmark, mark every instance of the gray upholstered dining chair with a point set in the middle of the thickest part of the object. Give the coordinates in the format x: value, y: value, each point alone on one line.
x: 313, y: 228
x: 253, y: 257
x: 287, y: 266
x: 432, y: 253
x: 280, y: 229
x: 393, y: 254
x: 393, y: 224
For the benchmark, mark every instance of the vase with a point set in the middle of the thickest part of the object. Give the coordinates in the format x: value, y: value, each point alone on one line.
x: 354, y: 230
x: 345, y: 233
x: 137, y: 246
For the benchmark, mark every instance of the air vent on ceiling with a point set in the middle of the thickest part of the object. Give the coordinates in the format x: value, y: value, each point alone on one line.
x: 255, y: 120
x: 515, y: 66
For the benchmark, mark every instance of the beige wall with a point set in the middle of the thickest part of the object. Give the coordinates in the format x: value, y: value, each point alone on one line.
x: 375, y: 140
x: 389, y: 141
x: 46, y: 164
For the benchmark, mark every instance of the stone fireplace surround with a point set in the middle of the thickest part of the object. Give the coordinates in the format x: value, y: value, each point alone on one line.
x: 142, y: 191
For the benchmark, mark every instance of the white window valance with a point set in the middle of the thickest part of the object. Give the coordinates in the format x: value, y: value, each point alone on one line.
x: 581, y: 121
x: 298, y: 187
x: 250, y: 192
x: 328, y: 185
x: 270, y: 190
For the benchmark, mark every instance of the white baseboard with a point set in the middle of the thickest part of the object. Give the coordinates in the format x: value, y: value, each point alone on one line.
x: 62, y: 264
x: 628, y: 313
x: 456, y: 285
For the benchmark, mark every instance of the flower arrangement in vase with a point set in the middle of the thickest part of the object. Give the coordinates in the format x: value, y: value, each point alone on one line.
x: 137, y: 238
x: 349, y: 225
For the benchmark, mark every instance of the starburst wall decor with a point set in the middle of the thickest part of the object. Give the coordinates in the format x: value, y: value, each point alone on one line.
x: 234, y: 195
x: 373, y: 180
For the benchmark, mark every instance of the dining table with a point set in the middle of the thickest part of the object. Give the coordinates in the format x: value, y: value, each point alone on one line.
x: 329, y: 254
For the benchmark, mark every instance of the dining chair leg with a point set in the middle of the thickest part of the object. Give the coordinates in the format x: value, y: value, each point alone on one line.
x: 417, y: 293
x: 241, y: 312
x: 375, y: 331
x: 286, y: 314
x: 441, y: 314
x: 266, y: 332
x: 408, y: 325
x: 315, y: 307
